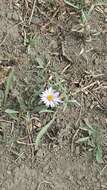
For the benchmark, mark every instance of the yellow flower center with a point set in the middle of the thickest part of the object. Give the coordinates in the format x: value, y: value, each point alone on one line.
x: 50, y: 97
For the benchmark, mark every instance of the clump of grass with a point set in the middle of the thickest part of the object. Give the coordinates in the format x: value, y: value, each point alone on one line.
x: 93, y: 139
x: 84, y: 9
x: 4, y: 94
x: 8, y: 84
x: 78, y: 4
x: 22, y: 93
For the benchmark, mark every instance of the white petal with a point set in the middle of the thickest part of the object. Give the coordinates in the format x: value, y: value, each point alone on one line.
x: 52, y: 104
x: 47, y: 104
x: 59, y: 100
x: 50, y: 90
x: 46, y: 92
x: 56, y: 94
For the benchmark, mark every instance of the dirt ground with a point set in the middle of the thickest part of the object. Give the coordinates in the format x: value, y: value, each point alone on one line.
x: 77, y: 51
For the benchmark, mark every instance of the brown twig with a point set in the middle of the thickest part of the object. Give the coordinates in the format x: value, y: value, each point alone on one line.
x: 33, y: 9
x: 23, y: 143
x: 51, y: 20
x: 80, y: 113
x: 72, y: 144
x: 78, y: 120
x: 85, y: 88
x: 30, y: 142
x: 100, y: 103
x: 102, y: 171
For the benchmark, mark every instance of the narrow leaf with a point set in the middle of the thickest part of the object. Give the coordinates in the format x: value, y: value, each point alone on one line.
x: 46, y: 111
x: 81, y: 140
x: 1, y: 97
x: 71, y: 4
x: 8, y: 85
x: 73, y: 101
x: 44, y: 130
x: 40, y: 62
x: 11, y: 111
x: 99, y: 154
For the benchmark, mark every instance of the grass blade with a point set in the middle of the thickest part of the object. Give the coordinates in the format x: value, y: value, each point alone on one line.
x: 99, y: 154
x: 82, y: 140
x: 71, y: 4
x: 11, y: 111
x: 46, y: 111
x: 73, y: 101
x: 44, y: 130
x: 8, y: 85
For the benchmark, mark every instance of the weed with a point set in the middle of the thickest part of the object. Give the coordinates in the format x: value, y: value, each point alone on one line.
x: 26, y: 92
x: 44, y: 130
x: 93, y: 139
x: 8, y: 85
x: 84, y: 9
x: 12, y: 113
x: 60, y: 84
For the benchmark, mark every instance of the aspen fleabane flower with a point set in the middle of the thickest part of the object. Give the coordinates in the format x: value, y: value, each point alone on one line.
x: 50, y: 97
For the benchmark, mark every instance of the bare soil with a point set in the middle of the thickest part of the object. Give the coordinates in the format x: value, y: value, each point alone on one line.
x: 60, y: 163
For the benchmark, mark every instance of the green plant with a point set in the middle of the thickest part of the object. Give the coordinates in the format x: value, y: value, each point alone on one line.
x: 9, y: 84
x: 85, y: 10
x: 93, y: 139
x: 78, y: 4
x: 12, y: 113
x: 60, y: 84
x: 43, y: 131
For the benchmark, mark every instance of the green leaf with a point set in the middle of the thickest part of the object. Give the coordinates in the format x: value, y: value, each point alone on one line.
x: 11, y: 111
x: 21, y: 102
x: 99, y: 154
x: 81, y: 140
x: 44, y: 130
x: 84, y: 16
x: 71, y: 4
x: 40, y: 62
x: 9, y: 84
x: 100, y: 2
x: 1, y: 97
x: 73, y: 101
x: 90, y: 10
x: 88, y: 127
x: 46, y: 111
x: 65, y: 106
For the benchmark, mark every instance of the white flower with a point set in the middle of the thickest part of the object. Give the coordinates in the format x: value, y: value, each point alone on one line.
x: 50, y: 97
